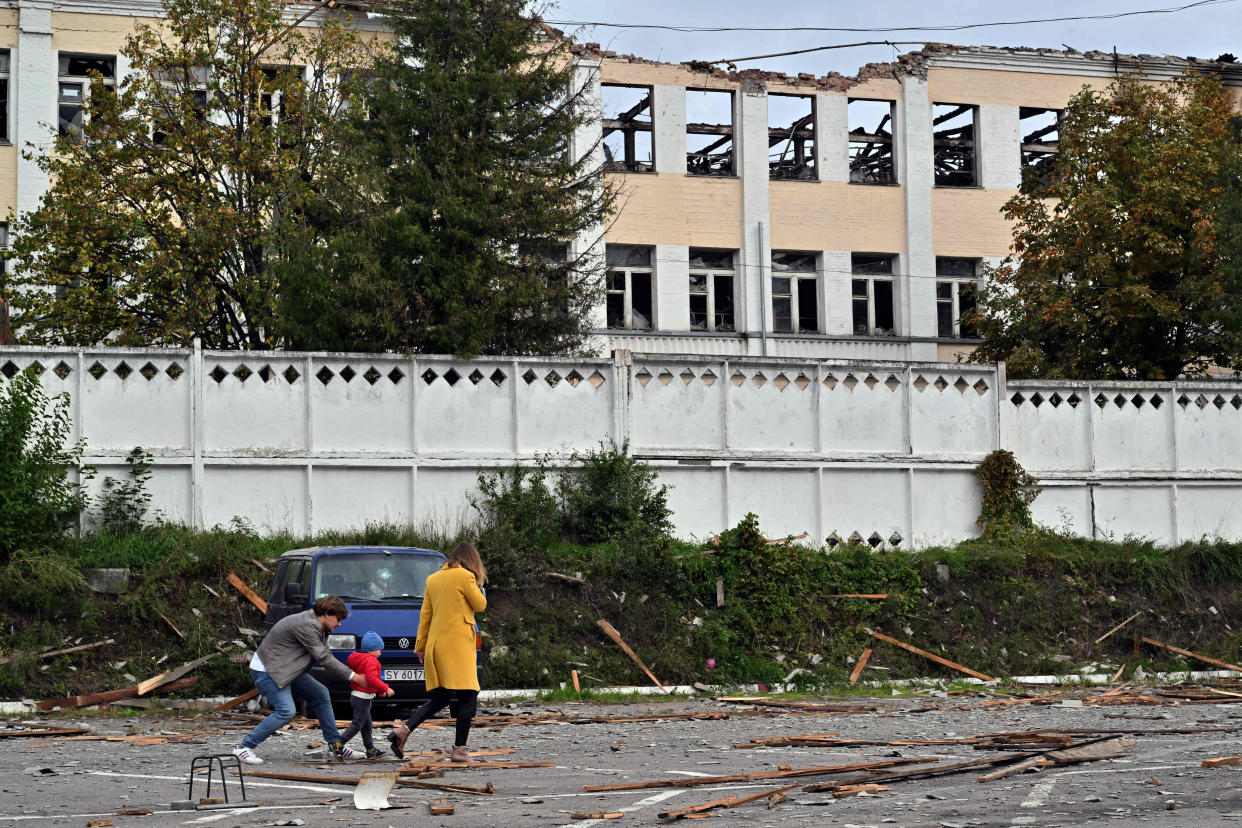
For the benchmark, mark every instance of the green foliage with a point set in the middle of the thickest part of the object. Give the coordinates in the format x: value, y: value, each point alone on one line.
x: 170, y: 215
x: 519, y: 519
x: 1008, y: 491
x: 607, y: 494
x: 43, y: 583
x: 124, y: 504
x: 450, y: 234
x: 37, y: 500
x: 1117, y: 267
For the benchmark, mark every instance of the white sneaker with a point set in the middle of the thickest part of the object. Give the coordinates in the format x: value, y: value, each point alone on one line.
x: 342, y: 753
x: 246, y: 755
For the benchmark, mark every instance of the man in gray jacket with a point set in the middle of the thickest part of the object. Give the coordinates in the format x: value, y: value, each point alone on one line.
x: 280, y: 670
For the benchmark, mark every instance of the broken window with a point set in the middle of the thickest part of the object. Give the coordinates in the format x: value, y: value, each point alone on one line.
x: 1041, y: 135
x: 74, y: 85
x: 711, y: 290
x: 872, y: 294
x: 795, y: 293
x: 956, y: 284
x: 791, y: 137
x: 4, y: 96
x: 871, y: 142
x: 709, y: 132
x: 180, y: 82
x: 627, y: 128
x: 953, y: 145
x: 629, y: 301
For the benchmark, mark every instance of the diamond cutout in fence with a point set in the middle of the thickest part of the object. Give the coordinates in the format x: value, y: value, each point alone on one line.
x: 980, y: 387
x: 218, y: 374
x: 324, y: 375
x: 855, y: 537
x: 1119, y: 401
x: 372, y: 376
x: 920, y: 383
x: 498, y: 377
x: 875, y: 540
x: 737, y: 378
x: 1055, y: 399
x: 833, y: 540
x: 451, y: 376
x: 174, y: 371
x: 895, y: 539
x: 1183, y: 401
x: 148, y: 371
x: 1201, y: 401
x: 759, y: 379
x: 687, y: 376
x: 96, y: 370
x: 665, y: 377
x: 892, y: 383
x: 1236, y: 402
x: 643, y: 377
x: 1219, y: 402
x: 802, y: 381
x: 348, y: 373
x: 429, y: 376
x: 1017, y: 398
x: 37, y: 368
x: 266, y: 373
x: 291, y: 375
x: 530, y: 376
x: 10, y: 369
x: 242, y: 372
x: 780, y: 381
x: 1138, y: 400
x: 573, y: 378
x: 709, y: 378
x: 941, y: 383
x: 123, y: 370
x: 1101, y: 400
x: 62, y: 369
x: 830, y: 381
x: 850, y: 381
x: 596, y: 379
x: 1156, y: 400
x: 1073, y: 400
x: 476, y: 376
x: 396, y: 375
x: 553, y: 378
x: 871, y: 382
x: 1037, y: 399
x: 961, y: 385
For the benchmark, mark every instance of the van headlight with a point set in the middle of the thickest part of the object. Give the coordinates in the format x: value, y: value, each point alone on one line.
x: 341, y: 642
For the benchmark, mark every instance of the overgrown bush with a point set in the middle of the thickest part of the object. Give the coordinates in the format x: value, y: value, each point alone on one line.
x: 123, y: 504
x: 38, y: 502
x: 43, y: 583
x: 610, y: 495
x: 1008, y: 491
x: 519, y: 519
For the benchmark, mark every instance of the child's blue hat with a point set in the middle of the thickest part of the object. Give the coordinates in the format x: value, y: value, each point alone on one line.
x: 371, y: 641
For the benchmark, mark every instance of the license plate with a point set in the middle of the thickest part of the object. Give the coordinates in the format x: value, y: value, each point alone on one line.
x: 403, y: 675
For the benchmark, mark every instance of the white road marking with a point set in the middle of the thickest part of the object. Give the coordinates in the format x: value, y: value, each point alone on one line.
x: 249, y: 784
x: 1039, y: 794
x: 628, y: 809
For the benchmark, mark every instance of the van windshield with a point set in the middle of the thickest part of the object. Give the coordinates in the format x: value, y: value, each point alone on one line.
x: 377, y: 577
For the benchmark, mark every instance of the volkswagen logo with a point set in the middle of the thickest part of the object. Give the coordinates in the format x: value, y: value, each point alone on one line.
x: 403, y: 643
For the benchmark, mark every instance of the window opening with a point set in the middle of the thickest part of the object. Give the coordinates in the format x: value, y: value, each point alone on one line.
x: 953, y: 145
x: 871, y: 141
x: 629, y: 294
x: 956, y: 286
x: 791, y: 137
x: 709, y: 132
x: 4, y: 96
x: 872, y: 298
x: 73, y: 87
x: 795, y: 293
x: 711, y: 290
x: 627, y: 128
x: 1041, y: 140
x: 181, y: 83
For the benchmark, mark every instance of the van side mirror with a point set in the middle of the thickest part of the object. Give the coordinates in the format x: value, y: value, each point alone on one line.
x: 293, y: 592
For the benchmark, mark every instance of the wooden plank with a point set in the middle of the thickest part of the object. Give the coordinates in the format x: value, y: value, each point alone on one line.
x: 171, y: 675
x: 324, y: 779
x: 416, y: 767
x: 874, y: 596
x: 695, y: 781
x: 1221, y: 760
x: 573, y: 674
x: 942, y: 770
x: 440, y: 807
x: 852, y: 790
x: 1117, y: 674
x: 911, y: 648
x: 1024, y: 765
x: 112, y: 695
x: 259, y: 603
x: 231, y: 703
x: 260, y: 566
x: 1207, y: 659
x: 726, y: 802
x: 720, y: 592
x: 52, y: 653
x: 1112, y: 749
x: 1119, y: 626
x: 15, y: 734
x: 597, y: 815
x: 170, y: 624
x: 567, y: 578
x: 616, y: 637
x: 860, y: 666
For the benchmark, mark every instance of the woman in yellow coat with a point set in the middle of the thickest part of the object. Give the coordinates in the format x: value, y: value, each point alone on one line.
x: 445, y: 643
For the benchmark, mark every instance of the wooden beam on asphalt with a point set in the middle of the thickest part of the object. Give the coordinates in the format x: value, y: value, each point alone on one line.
x: 695, y: 781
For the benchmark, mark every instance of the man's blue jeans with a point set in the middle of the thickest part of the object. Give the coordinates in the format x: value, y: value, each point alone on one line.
x: 281, y: 699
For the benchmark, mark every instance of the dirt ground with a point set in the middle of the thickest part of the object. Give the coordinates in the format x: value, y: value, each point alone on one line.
x: 142, y: 763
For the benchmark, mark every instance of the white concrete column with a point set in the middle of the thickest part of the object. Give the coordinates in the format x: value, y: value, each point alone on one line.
x: 832, y: 137
x: 751, y: 147
x: 1000, y: 155
x: 672, y: 287
x: 835, y: 294
x: 668, y: 115
x: 587, y: 248
x: 33, y: 89
x: 917, y: 288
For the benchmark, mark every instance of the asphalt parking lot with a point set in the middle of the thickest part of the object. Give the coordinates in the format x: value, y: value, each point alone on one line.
x: 141, y: 763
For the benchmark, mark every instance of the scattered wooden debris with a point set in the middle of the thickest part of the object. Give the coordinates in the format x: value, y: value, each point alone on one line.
x: 911, y: 648
x: 71, y: 731
x: 231, y: 703
x: 134, y: 812
x: 695, y: 781
x: 1189, y: 654
x: 573, y: 674
x: 259, y: 565
x: 150, y: 684
x: 786, y: 539
x: 570, y: 579
x: 1221, y: 760
x: 597, y: 815
x: 170, y: 624
x: 1110, y: 749
x: 611, y: 632
x: 892, y: 776
x: 871, y: 596
x: 808, y: 707
x: 720, y: 597
x: 1119, y: 626
x: 1021, y: 767
x: 726, y: 802
x: 112, y: 695
x: 440, y: 807
x: 65, y: 651
x: 241, y: 587
x: 323, y: 779
x: 416, y: 767
x: 98, y: 823
x: 851, y: 790
x: 860, y: 666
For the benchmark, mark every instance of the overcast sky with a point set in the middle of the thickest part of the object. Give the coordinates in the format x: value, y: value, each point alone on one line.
x: 1205, y: 31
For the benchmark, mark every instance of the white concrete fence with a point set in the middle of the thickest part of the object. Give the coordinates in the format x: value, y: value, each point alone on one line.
x: 881, y: 452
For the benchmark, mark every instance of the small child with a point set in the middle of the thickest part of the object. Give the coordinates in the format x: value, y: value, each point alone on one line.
x: 365, y: 662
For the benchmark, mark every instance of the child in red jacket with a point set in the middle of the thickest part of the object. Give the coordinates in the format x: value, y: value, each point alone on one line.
x: 365, y: 662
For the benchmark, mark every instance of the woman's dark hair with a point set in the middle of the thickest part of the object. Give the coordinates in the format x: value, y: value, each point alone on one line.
x: 331, y: 605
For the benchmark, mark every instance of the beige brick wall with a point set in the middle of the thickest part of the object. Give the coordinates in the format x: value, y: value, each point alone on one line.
x: 969, y: 222
x: 974, y: 86
x: 97, y: 34
x: 678, y: 209
x: 830, y: 215
x: 8, y: 29
x: 8, y: 181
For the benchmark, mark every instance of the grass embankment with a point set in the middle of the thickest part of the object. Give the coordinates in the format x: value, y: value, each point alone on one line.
x: 1009, y: 609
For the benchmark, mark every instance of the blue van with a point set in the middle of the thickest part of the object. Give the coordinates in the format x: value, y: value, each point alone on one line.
x: 383, y: 588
